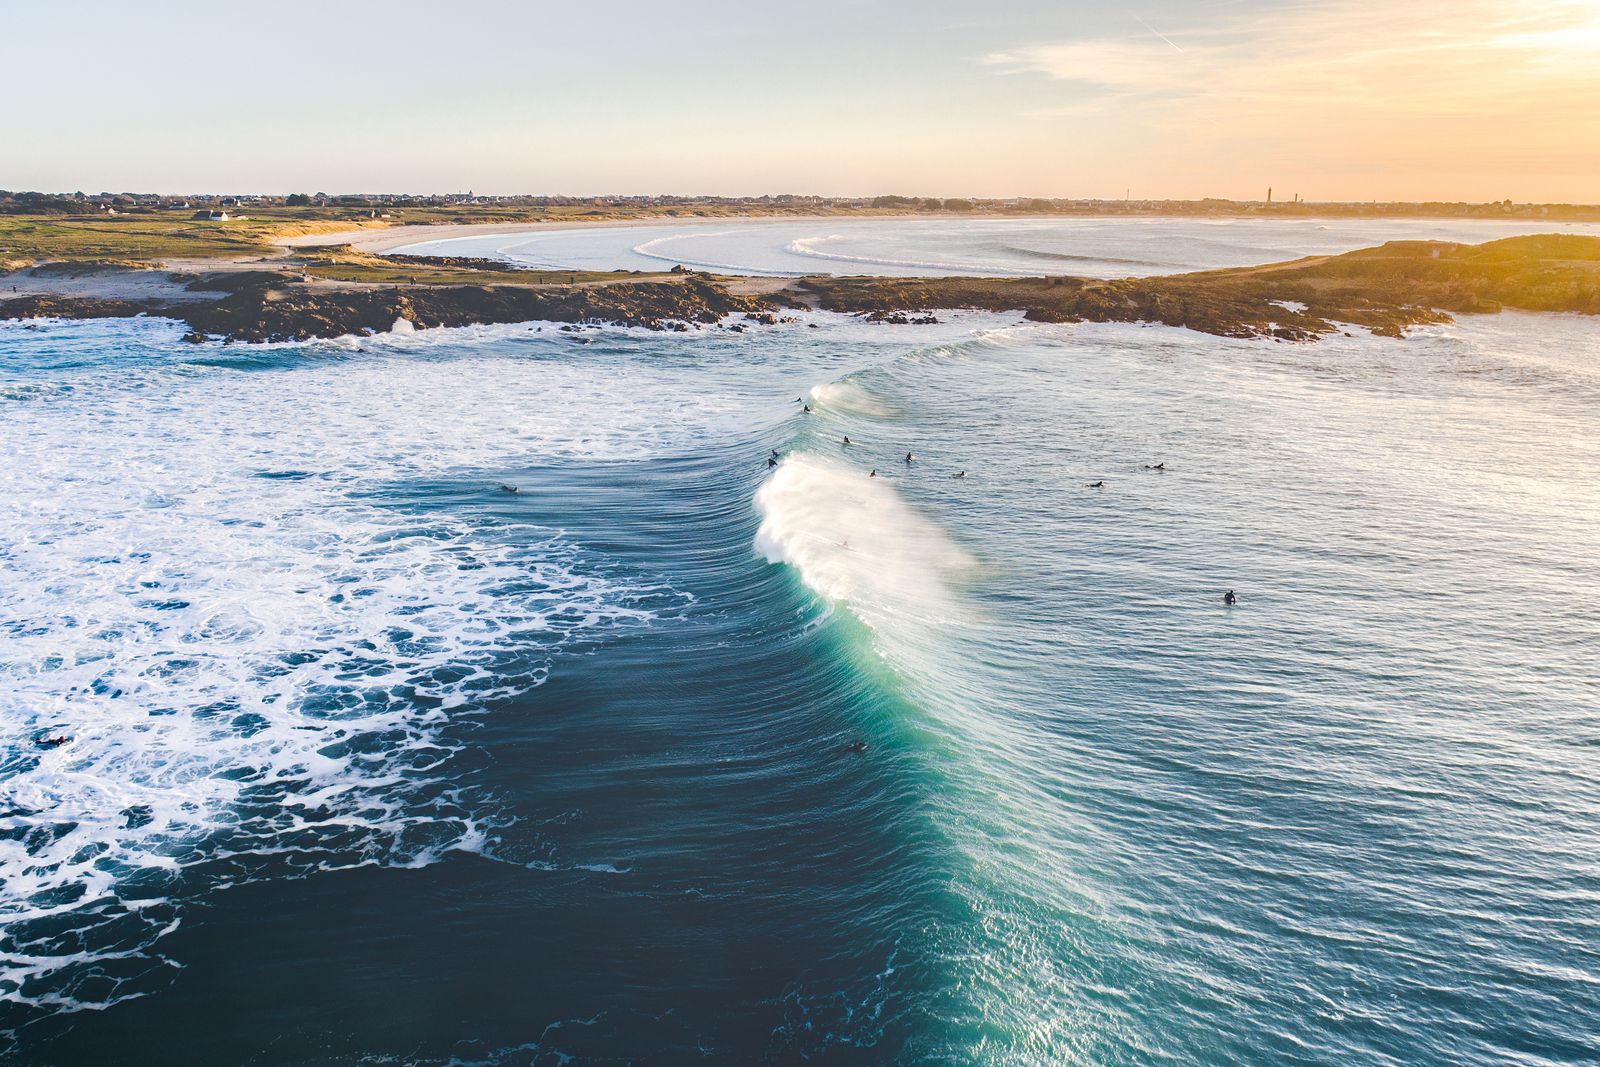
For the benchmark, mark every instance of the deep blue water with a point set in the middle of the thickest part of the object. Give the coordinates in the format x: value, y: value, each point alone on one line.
x: 371, y: 762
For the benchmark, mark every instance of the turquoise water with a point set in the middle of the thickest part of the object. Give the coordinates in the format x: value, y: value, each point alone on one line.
x: 372, y: 762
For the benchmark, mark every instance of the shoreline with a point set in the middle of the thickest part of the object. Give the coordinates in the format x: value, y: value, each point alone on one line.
x: 1384, y: 290
x: 380, y: 239
x: 387, y: 238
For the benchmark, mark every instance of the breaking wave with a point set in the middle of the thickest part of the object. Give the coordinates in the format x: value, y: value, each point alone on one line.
x: 1068, y: 257
x: 847, y: 396
x: 807, y: 246
x: 857, y: 543
x: 654, y: 250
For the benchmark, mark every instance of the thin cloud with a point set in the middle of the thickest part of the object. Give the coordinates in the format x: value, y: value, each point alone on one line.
x: 1407, y: 57
x: 1395, y: 83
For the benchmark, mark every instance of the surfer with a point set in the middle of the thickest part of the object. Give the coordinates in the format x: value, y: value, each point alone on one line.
x: 53, y: 742
x: 857, y: 747
x: 1156, y: 466
x: 959, y: 474
x: 874, y: 473
x: 771, y: 462
x: 806, y: 408
x: 847, y: 439
x: 1229, y: 599
x: 910, y: 459
x: 505, y: 488
x: 1097, y: 485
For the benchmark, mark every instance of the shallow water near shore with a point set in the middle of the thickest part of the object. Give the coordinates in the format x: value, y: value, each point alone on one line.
x: 373, y: 762
x: 1091, y: 247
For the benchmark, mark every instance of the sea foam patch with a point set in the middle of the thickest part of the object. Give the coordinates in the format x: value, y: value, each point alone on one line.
x: 232, y: 639
x: 856, y: 541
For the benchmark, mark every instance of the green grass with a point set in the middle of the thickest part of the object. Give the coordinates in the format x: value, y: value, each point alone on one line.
x: 150, y: 236
x: 129, y: 237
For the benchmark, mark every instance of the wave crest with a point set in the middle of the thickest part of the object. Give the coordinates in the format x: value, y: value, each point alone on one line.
x: 856, y: 542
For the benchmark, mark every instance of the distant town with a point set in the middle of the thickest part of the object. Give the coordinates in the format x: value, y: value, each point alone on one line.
x: 223, y: 206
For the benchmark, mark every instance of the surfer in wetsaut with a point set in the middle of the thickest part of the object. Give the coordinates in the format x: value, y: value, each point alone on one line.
x: 1229, y: 599
x: 910, y: 458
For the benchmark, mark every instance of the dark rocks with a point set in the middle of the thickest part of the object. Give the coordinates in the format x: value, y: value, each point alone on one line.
x: 274, y: 313
x: 899, y: 318
x: 66, y: 307
x: 1384, y: 289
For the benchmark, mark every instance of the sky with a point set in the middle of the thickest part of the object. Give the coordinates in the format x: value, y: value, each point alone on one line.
x: 1328, y: 99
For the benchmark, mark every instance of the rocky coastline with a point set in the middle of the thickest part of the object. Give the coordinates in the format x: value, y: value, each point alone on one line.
x: 1384, y: 290
x: 268, y: 306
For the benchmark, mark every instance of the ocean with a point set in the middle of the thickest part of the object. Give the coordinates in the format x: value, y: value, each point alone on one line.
x: 675, y: 756
x: 982, y: 246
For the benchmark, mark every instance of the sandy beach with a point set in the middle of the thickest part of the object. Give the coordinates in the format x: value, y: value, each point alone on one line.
x: 390, y: 238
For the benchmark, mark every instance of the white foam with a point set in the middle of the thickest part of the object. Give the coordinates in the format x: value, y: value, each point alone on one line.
x: 211, y: 580
x: 655, y: 249
x: 855, y: 541
x: 807, y: 246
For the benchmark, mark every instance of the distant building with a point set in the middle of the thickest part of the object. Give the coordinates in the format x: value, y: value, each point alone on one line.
x: 212, y: 216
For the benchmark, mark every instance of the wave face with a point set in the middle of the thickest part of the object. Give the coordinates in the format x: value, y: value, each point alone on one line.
x: 833, y: 768
x: 1137, y: 791
x: 855, y: 542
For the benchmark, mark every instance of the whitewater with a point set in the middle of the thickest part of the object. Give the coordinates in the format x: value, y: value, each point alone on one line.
x: 319, y: 746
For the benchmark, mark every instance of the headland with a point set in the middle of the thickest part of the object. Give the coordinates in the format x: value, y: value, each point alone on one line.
x: 278, y: 272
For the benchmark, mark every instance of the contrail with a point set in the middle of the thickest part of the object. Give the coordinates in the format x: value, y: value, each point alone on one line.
x: 1155, y: 31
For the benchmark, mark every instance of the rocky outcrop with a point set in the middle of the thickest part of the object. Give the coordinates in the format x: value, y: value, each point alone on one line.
x: 66, y: 307
x: 1385, y: 290
x: 272, y: 306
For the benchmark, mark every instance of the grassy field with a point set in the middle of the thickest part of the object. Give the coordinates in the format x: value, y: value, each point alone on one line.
x: 150, y: 236
x: 128, y: 238
x: 135, y: 241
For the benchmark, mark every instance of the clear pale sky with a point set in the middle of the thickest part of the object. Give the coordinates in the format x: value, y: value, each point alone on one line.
x: 1332, y: 99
